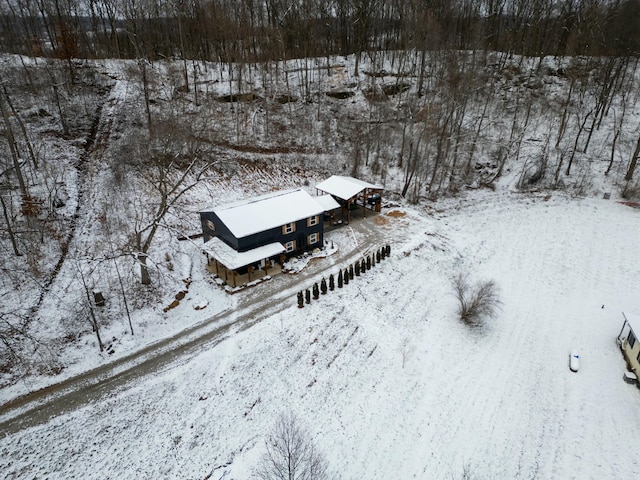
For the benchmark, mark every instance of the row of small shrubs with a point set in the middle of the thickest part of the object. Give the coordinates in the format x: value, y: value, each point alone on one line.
x: 344, y: 276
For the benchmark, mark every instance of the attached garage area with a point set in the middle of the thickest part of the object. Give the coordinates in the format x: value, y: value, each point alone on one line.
x: 351, y: 194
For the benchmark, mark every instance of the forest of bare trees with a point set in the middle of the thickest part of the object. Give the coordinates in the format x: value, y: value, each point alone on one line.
x: 263, y: 30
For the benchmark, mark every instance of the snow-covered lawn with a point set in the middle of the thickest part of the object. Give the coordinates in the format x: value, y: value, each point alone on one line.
x: 386, y: 379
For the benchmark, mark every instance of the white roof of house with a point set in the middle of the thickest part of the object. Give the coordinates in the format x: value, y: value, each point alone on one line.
x: 327, y: 202
x: 633, y: 319
x: 344, y: 187
x: 233, y: 259
x: 267, y: 211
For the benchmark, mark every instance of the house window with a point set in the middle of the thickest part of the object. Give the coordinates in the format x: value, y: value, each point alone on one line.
x: 210, y: 225
x: 290, y: 246
x: 311, y: 221
x: 288, y: 228
x: 313, y: 238
x: 631, y: 339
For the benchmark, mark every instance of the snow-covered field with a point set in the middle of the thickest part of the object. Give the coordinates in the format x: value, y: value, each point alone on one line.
x: 389, y: 383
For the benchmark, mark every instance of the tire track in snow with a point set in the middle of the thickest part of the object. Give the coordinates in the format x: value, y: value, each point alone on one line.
x: 470, y: 389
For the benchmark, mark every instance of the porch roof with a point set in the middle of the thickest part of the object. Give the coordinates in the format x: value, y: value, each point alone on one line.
x: 233, y: 259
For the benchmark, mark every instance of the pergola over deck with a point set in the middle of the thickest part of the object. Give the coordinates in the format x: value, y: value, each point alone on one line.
x: 351, y: 191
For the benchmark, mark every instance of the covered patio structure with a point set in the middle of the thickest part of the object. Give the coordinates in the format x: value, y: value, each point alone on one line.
x: 352, y: 193
x: 239, y: 268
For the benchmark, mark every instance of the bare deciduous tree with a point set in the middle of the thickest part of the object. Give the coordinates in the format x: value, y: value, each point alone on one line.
x: 169, y: 167
x: 85, y: 278
x: 20, y: 350
x: 291, y: 454
x: 9, y: 226
x: 12, y: 147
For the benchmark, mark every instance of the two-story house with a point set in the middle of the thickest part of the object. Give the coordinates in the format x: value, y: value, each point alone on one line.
x: 252, y: 234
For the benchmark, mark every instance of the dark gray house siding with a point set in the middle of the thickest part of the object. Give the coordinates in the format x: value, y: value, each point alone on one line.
x: 220, y: 230
x: 300, y: 235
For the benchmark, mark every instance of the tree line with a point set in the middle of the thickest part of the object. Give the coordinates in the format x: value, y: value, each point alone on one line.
x: 268, y: 30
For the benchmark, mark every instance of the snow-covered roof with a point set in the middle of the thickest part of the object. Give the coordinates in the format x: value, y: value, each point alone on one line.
x: 233, y: 259
x: 327, y: 202
x: 633, y: 319
x: 344, y: 187
x: 265, y: 212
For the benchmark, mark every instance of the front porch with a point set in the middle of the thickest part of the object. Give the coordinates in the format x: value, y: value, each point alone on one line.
x: 235, y: 278
x: 240, y: 268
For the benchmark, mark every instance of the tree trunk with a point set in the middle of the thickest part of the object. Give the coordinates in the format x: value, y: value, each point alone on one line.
x: 184, y: 58
x: 634, y: 160
x: 96, y: 329
x: 613, y: 152
x: 145, y: 278
x: 23, y: 129
x: 56, y: 95
x: 474, y: 144
x: 124, y: 295
x: 12, y: 237
x: 565, y: 114
x: 195, y: 83
x: 410, y: 170
x: 12, y: 147
x: 63, y: 121
x: 145, y: 88
x: 92, y: 320
x: 575, y: 144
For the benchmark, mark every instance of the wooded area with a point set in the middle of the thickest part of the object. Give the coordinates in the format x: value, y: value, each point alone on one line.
x: 269, y: 30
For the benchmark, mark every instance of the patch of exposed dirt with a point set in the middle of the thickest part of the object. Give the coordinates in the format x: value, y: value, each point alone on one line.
x: 252, y: 148
x: 340, y: 94
x: 395, y: 88
x: 282, y: 99
x: 396, y: 214
x: 241, y: 97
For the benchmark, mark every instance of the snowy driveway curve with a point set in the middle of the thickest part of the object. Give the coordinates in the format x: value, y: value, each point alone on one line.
x: 253, y: 305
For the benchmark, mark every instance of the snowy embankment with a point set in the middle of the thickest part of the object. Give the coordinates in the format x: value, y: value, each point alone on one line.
x: 390, y: 384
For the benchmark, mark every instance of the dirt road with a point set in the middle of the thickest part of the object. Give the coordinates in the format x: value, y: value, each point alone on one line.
x: 254, y: 304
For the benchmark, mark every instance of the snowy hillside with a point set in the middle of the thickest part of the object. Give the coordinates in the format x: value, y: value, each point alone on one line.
x: 98, y: 149
x: 496, y: 167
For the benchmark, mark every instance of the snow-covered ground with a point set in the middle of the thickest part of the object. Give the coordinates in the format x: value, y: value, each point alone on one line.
x: 387, y: 380
x: 256, y: 147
